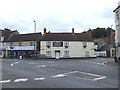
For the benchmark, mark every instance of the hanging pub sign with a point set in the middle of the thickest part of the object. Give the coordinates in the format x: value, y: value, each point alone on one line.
x: 57, y: 44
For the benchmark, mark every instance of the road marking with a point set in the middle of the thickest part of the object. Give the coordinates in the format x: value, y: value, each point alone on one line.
x: 5, y: 81
x: 41, y: 66
x: 21, y: 80
x: 96, y: 77
x: 99, y: 78
x: 14, y: 63
x: 51, y: 65
x: 33, y: 63
x: 59, y: 75
x: 39, y: 78
x: 51, y: 62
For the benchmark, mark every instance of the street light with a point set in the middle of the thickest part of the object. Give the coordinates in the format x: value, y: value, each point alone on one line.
x: 34, y: 26
x: 34, y: 32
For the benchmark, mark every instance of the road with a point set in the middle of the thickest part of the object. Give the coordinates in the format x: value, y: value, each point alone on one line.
x: 63, y: 73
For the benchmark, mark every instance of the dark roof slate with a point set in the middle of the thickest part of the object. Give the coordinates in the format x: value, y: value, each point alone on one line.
x: 25, y: 37
x: 66, y: 37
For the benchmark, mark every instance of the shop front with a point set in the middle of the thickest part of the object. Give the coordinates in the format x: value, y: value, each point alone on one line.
x: 17, y: 51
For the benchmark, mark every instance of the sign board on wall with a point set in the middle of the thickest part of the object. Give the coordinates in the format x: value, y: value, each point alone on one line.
x: 21, y: 48
x: 57, y: 44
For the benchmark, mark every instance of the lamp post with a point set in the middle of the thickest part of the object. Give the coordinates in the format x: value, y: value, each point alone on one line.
x: 34, y: 32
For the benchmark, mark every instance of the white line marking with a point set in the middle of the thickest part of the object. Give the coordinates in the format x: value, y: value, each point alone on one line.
x: 14, y: 63
x: 59, y: 75
x: 96, y: 77
x: 5, y: 81
x: 41, y: 66
x: 99, y: 63
x: 39, y: 78
x: 99, y: 78
x: 21, y: 80
x: 51, y: 65
x: 33, y: 63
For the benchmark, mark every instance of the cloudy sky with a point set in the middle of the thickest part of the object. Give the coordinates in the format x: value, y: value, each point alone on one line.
x: 56, y: 15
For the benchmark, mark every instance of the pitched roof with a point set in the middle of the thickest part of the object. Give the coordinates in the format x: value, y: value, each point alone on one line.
x: 116, y: 8
x: 25, y: 37
x: 7, y: 33
x: 66, y: 37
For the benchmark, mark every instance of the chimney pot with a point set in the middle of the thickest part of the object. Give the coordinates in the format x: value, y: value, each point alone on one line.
x: 72, y: 30
x: 44, y: 30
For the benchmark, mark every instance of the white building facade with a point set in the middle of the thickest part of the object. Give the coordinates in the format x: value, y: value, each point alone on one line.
x: 73, y: 49
x: 66, y: 45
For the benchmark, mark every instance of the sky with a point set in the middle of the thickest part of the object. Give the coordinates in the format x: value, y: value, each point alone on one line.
x: 56, y: 15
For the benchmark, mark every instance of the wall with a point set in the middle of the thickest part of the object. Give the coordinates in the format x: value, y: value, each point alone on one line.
x: 75, y: 48
x: 117, y: 22
x: 25, y: 43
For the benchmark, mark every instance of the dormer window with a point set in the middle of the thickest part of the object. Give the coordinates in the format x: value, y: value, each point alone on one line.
x: 84, y: 44
x: 48, y: 43
x: 66, y: 44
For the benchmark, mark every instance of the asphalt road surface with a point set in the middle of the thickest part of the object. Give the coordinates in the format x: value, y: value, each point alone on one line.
x: 63, y: 73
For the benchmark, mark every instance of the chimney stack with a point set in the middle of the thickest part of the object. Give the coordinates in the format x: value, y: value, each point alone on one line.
x: 44, y: 30
x: 90, y: 32
x: 72, y: 30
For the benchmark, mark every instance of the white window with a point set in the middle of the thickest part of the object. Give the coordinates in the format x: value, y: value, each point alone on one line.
x: 48, y: 43
x: 66, y: 43
x: 117, y: 15
x: 87, y: 54
x: 48, y: 53
x: 2, y: 38
x: 66, y: 53
x: 3, y: 44
x: 84, y: 44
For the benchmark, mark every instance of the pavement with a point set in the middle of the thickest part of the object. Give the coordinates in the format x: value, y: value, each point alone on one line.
x: 63, y: 73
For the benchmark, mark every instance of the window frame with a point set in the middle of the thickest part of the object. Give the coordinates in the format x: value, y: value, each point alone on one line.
x: 48, y: 53
x: 84, y: 44
x: 66, y: 43
x: 48, y: 43
x: 66, y: 53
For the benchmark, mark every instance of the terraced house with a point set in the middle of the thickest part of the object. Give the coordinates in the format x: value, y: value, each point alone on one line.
x: 66, y: 45
x: 5, y: 35
x: 25, y: 45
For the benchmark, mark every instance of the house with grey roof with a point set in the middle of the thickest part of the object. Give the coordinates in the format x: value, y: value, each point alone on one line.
x: 24, y: 45
x: 5, y: 35
x: 66, y: 45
